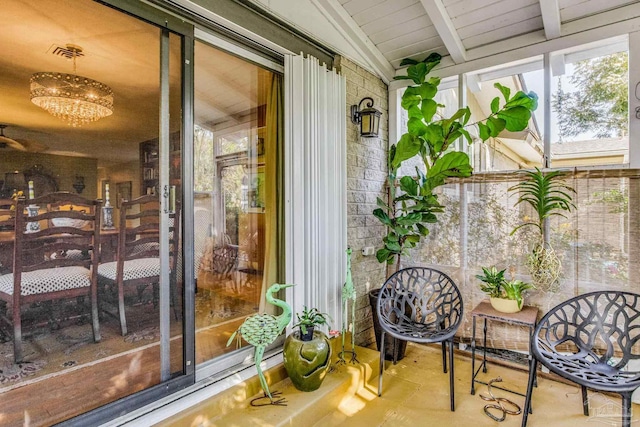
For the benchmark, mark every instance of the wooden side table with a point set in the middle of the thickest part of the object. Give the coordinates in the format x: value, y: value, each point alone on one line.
x: 526, y: 317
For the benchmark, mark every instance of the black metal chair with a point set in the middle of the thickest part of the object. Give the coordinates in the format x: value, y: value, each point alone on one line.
x: 590, y: 340
x: 421, y: 305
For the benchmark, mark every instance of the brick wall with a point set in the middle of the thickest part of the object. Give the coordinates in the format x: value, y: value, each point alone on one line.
x: 366, y: 178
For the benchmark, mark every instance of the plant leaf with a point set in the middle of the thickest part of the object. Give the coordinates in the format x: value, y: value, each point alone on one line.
x: 409, y: 219
x: 530, y: 100
x: 422, y: 229
x: 383, y: 255
x: 408, y: 146
x: 432, y: 60
x: 516, y: 118
x: 495, y: 125
x: 495, y: 105
x: 415, y: 112
x: 429, y: 108
x: 483, y: 131
x: 416, y: 127
x: 382, y: 204
x: 408, y: 61
x: 506, y: 92
x: 410, y: 100
x: 427, y: 90
x: 409, y: 185
x: 466, y: 135
x: 382, y: 216
x: 417, y: 72
x: 455, y: 163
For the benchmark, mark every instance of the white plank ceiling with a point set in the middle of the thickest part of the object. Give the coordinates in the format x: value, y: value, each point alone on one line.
x: 467, y: 29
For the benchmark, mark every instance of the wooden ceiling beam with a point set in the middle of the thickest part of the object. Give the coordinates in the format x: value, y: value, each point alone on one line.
x: 551, y: 18
x: 613, y: 23
x: 448, y: 33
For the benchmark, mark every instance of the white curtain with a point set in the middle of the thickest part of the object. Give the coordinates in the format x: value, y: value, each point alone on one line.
x: 315, y: 185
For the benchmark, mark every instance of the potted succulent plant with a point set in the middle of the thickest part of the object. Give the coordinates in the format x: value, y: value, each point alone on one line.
x: 307, y: 351
x: 505, y: 296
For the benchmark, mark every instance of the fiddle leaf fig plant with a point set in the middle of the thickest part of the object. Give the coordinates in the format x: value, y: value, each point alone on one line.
x: 430, y: 136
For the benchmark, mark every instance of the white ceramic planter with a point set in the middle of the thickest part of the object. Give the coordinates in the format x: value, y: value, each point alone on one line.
x: 505, y: 305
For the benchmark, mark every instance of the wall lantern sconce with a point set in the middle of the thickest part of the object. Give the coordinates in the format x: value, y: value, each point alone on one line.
x: 368, y: 118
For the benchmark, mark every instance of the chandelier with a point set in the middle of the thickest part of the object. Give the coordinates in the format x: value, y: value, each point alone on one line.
x: 75, y: 99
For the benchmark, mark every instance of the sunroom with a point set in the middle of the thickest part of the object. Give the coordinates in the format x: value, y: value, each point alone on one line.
x: 164, y: 163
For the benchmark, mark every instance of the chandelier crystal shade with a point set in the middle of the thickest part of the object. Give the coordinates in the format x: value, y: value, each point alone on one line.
x: 75, y: 99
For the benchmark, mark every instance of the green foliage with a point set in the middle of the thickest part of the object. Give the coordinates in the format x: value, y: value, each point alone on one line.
x: 513, y: 290
x: 496, y: 286
x: 600, y: 103
x: 431, y: 139
x: 311, y: 318
x: 618, y: 201
x: 492, y: 281
x: 546, y: 193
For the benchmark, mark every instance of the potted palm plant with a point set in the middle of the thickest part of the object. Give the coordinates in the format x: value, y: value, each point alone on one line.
x: 307, y: 351
x: 549, y: 196
x: 505, y: 296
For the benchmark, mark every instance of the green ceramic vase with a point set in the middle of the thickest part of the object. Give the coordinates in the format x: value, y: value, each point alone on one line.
x: 307, y: 362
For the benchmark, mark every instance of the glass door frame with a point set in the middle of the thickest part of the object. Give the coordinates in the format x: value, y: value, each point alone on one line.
x: 167, y: 24
x: 169, y: 21
x: 227, y: 364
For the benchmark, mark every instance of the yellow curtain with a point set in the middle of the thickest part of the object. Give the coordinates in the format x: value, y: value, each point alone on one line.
x: 274, y: 139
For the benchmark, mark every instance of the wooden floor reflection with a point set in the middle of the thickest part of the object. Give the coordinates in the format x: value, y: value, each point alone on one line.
x: 221, y: 306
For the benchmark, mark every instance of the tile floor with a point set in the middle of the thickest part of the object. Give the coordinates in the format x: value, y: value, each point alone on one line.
x: 416, y: 393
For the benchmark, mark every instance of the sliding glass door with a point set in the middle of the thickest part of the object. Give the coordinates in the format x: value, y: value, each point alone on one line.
x: 92, y: 105
x: 236, y: 138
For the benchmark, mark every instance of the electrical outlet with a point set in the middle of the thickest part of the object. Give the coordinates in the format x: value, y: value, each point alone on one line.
x: 368, y: 251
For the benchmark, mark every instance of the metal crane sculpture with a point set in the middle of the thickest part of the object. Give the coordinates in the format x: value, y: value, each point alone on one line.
x: 260, y: 330
x: 348, y: 293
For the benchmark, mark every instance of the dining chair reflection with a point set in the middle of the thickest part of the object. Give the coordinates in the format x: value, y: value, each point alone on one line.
x: 138, y: 254
x: 39, y: 272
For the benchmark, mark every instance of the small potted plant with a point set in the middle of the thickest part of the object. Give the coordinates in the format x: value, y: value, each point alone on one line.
x: 505, y: 296
x: 307, y: 351
x: 308, y: 320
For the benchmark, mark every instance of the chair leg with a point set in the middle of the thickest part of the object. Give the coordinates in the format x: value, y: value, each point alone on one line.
x: 452, y: 396
x: 396, y: 350
x: 533, y: 366
x: 585, y: 401
x: 444, y: 357
x: 94, y: 314
x: 381, y: 364
x: 626, y: 410
x: 17, y: 334
x: 123, y: 320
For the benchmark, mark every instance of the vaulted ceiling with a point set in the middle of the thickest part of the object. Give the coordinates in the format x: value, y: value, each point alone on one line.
x: 464, y: 31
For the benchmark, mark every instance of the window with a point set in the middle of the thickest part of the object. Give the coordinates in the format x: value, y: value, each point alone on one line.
x: 589, y: 106
x: 510, y: 150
